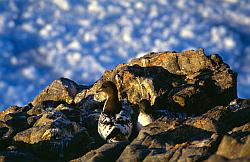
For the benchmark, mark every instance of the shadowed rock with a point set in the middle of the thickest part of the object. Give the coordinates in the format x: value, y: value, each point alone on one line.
x: 107, y: 152
x: 236, y: 144
x: 188, y: 81
x: 54, y: 132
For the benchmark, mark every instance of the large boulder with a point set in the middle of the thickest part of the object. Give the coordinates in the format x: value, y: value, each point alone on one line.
x: 61, y: 90
x: 189, y: 81
x: 12, y: 120
x: 54, y: 132
x: 6, y: 132
x: 236, y: 144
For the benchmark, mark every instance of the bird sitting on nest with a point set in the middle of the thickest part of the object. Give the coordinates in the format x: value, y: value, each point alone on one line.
x: 147, y: 114
x: 115, y: 123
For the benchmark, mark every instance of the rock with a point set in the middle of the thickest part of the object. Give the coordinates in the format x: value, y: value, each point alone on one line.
x: 169, y: 140
x: 218, y: 120
x: 32, y: 119
x: 6, y: 132
x: 107, y: 152
x: 218, y: 158
x: 59, y: 91
x: 54, y: 132
x: 60, y: 124
x: 12, y: 121
x: 71, y: 112
x: 18, y: 121
x: 236, y: 144
x: 188, y: 81
x: 9, y: 110
x: 192, y: 140
x: 14, y: 154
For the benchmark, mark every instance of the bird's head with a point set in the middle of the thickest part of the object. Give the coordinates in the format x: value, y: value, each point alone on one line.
x: 112, y: 104
x: 145, y: 107
x: 109, y: 88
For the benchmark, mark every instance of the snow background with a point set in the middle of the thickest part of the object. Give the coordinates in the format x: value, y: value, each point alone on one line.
x: 42, y: 40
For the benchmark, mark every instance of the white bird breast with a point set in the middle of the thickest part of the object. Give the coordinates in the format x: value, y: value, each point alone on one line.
x: 143, y: 120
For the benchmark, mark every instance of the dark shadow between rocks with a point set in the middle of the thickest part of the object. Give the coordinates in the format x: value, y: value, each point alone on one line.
x: 234, y: 116
x: 167, y: 143
x: 162, y: 79
x: 62, y: 150
x: 182, y: 134
x: 177, y: 93
x: 13, y: 123
x: 91, y: 110
x: 108, y: 152
x: 218, y: 96
x: 47, y: 105
x: 163, y: 83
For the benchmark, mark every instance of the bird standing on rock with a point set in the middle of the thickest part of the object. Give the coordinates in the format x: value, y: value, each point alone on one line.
x: 115, y: 123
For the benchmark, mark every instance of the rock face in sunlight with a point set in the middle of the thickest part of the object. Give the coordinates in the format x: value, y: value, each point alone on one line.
x: 200, y: 118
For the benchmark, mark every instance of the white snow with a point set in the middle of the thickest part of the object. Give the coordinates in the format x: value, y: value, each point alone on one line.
x: 29, y: 72
x: 75, y: 45
x: 46, y: 30
x: 231, y: 1
x: 187, y: 33
x: 63, y: 4
x: 28, y: 27
x: 229, y: 43
x: 74, y: 58
x: 2, y: 18
x: 13, y: 60
x: 139, y: 5
x: 94, y: 7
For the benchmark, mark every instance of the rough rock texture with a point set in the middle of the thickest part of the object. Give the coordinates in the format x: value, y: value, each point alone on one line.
x: 107, y: 152
x: 60, y: 124
x: 194, y: 139
x: 188, y: 81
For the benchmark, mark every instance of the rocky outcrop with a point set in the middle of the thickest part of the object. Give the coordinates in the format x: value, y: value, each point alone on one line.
x: 188, y: 81
x: 107, y: 152
x: 60, y: 124
x: 194, y: 139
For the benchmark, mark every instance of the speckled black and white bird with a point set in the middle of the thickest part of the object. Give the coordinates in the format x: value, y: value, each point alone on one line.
x: 145, y: 116
x: 115, y: 123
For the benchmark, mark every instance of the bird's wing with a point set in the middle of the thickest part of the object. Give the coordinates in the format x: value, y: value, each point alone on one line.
x: 124, y: 123
x: 119, y: 127
x: 106, y: 124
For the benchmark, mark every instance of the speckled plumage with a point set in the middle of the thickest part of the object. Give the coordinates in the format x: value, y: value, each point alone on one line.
x: 116, y: 127
x: 115, y: 122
